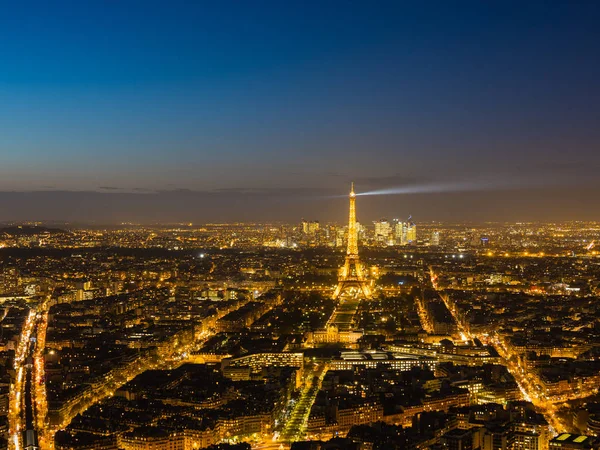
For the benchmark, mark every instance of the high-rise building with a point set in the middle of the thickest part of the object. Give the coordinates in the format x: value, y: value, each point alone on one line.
x: 340, y: 237
x: 435, y: 238
x: 411, y: 231
x: 310, y: 227
x: 404, y: 232
x: 397, y: 228
x: 331, y: 235
x: 383, y: 231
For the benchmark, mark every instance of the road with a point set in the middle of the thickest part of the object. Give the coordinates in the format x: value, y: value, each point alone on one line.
x: 174, y: 355
x: 423, y: 317
x: 169, y: 359
x: 529, y: 390
x: 295, y: 426
x: 18, y: 397
x: 28, y: 407
x: 46, y: 441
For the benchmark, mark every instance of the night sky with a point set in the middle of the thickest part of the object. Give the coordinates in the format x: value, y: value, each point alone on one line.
x: 250, y: 110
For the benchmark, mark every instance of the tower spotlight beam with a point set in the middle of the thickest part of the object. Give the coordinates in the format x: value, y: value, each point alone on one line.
x: 433, y: 188
x: 472, y: 185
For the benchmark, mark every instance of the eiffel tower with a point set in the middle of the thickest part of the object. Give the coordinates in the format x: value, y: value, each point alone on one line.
x: 352, y: 279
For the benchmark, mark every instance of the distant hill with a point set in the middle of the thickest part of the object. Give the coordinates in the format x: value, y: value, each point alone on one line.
x: 29, y: 230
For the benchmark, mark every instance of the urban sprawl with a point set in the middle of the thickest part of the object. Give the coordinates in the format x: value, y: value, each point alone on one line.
x: 387, y: 335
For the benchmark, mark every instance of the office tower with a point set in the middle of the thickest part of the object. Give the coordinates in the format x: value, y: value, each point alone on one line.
x: 310, y: 227
x: 411, y: 231
x: 383, y: 230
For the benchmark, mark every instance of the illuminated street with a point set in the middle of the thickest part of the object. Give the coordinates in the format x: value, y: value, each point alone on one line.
x: 295, y: 426
x: 529, y: 391
x: 29, y: 366
x: 17, y: 401
x: 39, y: 401
x: 173, y: 356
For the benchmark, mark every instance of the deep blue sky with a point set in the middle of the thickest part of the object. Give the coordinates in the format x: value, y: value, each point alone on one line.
x: 296, y: 97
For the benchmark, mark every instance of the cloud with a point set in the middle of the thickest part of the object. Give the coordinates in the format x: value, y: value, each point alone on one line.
x: 390, y: 180
x: 274, y: 191
x: 123, y: 190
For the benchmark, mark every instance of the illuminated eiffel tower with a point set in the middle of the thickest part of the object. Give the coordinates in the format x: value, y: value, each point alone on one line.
x: 352, y: 280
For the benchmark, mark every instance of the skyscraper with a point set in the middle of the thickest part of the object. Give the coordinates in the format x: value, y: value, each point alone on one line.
x: 397, y: 228
x: 405, y: 232
x: 383, y: 230
x: 411, y: 231
x: 311, y: 227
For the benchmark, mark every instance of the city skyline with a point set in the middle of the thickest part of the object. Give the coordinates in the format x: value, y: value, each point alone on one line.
x: 300, y: 225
